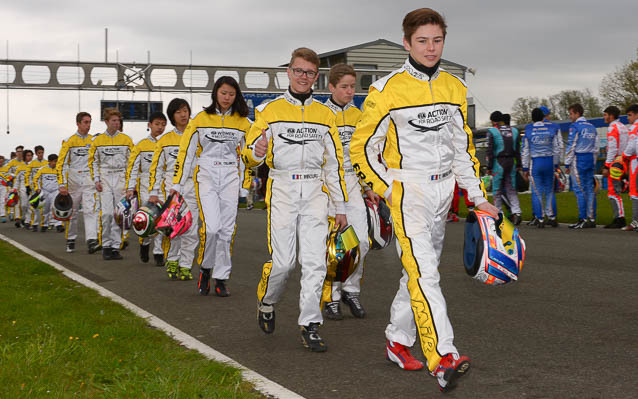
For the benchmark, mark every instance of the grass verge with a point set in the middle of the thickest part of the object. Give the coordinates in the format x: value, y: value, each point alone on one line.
x: 60, y: 339
x: 567, y: 207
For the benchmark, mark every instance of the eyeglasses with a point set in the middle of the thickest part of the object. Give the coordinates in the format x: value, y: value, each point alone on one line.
x: 298, y: 72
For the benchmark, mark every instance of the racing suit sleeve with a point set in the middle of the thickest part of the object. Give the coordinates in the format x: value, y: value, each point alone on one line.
x: 94, y: 162
x: 558, y: 148
x: 489, y: 155
x: 517, y: 148
x: 525, y: 153
x: 253, y: 135
x: 612, y: 145
x: 27, y: 178
x: 572, y: 139
x: 61, y: 166
x: 133, y: 169
x: 333, y: 169
x: 36, y: 180
x: 157, y: 170
x: 466, y: 166
x: 187, y: 153
x: 367, y: 141
x: 630, y: 148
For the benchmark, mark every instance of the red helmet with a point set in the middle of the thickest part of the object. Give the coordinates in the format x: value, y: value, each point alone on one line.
x: 560, y: 180
x: 379, y: 224
x: 342, y: 254
x: 6, y: 180
x: 175, y: 218
x: 12, y: 198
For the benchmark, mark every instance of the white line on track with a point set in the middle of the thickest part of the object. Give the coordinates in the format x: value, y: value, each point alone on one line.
x: 261, y: 383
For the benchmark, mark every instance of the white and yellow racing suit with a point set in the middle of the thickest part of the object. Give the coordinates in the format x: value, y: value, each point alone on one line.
x: 35, y: 216
x: 181, y: 248
x: 46, y: 180
x: 420, y: 122
x: 20, y: 184
x: 138, y: 177
x: 73, y: 173
x: 209, y: 152
x: 346, y: 120
x: 108, y: 158
x: 303, y: 145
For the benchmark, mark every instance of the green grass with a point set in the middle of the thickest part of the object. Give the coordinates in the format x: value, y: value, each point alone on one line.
x: 59, y: 339
x: 567, y: 208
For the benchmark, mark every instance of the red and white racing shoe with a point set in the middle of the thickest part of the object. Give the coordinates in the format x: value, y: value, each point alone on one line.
x: 399, y: 354
x: 450, y: 368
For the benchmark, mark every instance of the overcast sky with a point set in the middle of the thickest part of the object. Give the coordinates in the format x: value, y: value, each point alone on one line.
x: 533, y: 48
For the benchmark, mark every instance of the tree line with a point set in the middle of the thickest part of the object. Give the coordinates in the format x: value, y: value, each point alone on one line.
x: 619, y: 88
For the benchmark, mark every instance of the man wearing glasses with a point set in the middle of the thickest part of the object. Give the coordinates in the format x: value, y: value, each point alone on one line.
x: 297, y: 137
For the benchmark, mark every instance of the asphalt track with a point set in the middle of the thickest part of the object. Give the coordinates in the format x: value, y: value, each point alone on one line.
x: 568, y: 328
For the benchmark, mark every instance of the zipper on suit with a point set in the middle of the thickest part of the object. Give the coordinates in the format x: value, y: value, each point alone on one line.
x: 439, y: 134
x: 303, y: 148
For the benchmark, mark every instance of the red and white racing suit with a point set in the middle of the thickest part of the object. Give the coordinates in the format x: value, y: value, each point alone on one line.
x: 420, y: 120
x: 617, y: 137
x: 347, y: 118
x: 209, y: 153
x: 303, y: 145
x: 137, y: 178
x: 73, y: 173
x: 631, y: 152
x: 108, y: 158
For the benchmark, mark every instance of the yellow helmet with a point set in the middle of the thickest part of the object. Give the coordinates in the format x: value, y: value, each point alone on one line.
x: 342, y: 254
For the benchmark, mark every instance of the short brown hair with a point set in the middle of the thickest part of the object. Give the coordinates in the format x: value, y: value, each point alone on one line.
x: 306, y: 54
x: 577, y: 108
x: 420, y: 17
x: 338, y: 71
x: 110, y: 112
x: 81, y: 115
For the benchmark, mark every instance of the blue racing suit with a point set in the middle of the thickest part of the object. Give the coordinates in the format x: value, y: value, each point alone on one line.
x: 503, y: 157
x: 580, y: 159
x: 541, y: 150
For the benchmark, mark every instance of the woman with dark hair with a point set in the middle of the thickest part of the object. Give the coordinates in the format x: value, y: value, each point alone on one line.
x: 209, y: 151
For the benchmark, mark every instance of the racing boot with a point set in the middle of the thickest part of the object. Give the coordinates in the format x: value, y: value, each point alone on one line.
x: 515, y: 218
x: 172, y: 268
x: 144, y: 252
x: 552, y: 222
x: 399, y: 354
x: 541, y: 223
x: 3, y: 219
x: 184, y: 274
x: 43, y: 229
x: 332, y: 311
x: 533, y: 222
x: 631, y: 226
x: 589, y: 224
x: 18, y: 223
x: 617, y: 223
x: 450, y: 368
x: 115, y: 254
x: 203, y: 284
x: 577, y: 225
x: 34, y: 228
x: 106, y: 253
x: 59, y: 229
x: 159, y: 260
x: 266, y: 317
x: 220, y: 288
x: 352, y: 300
x: 93, y: 245
x: 311, y: 339
x: 70, y: 246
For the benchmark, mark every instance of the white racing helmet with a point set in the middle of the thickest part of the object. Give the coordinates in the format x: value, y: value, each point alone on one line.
x: 62, y: 207
x: 379, y: 224
x: 494, y: 251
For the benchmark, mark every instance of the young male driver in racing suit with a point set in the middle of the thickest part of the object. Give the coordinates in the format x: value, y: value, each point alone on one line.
x: 631, y: 158
x: 46, y: 180
x: 299, y: 140
x: 20, y: 184
x: 108, y: 158
x: 617, y: 137
x: 580, y: 162
x: 74, y: 179
x: 9, y: 169
x: 420, y: 112
x: 503, y: 159
x: 137, y: 177
x: 179, y: 251
x: 35, y: 215
x: 341, y: 82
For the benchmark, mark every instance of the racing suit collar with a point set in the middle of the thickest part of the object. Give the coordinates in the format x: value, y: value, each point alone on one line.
x: 112, y: 135
x: 581, y: 119
x: 153, y: 139
x: 227, y: 113
x: 298, y: 99
x: 336, y: 107
x: 421, y: 72
x: 80, y: 135
x: 179, y: 133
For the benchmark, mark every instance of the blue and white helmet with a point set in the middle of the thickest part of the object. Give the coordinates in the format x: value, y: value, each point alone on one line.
x: 494, y: 251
